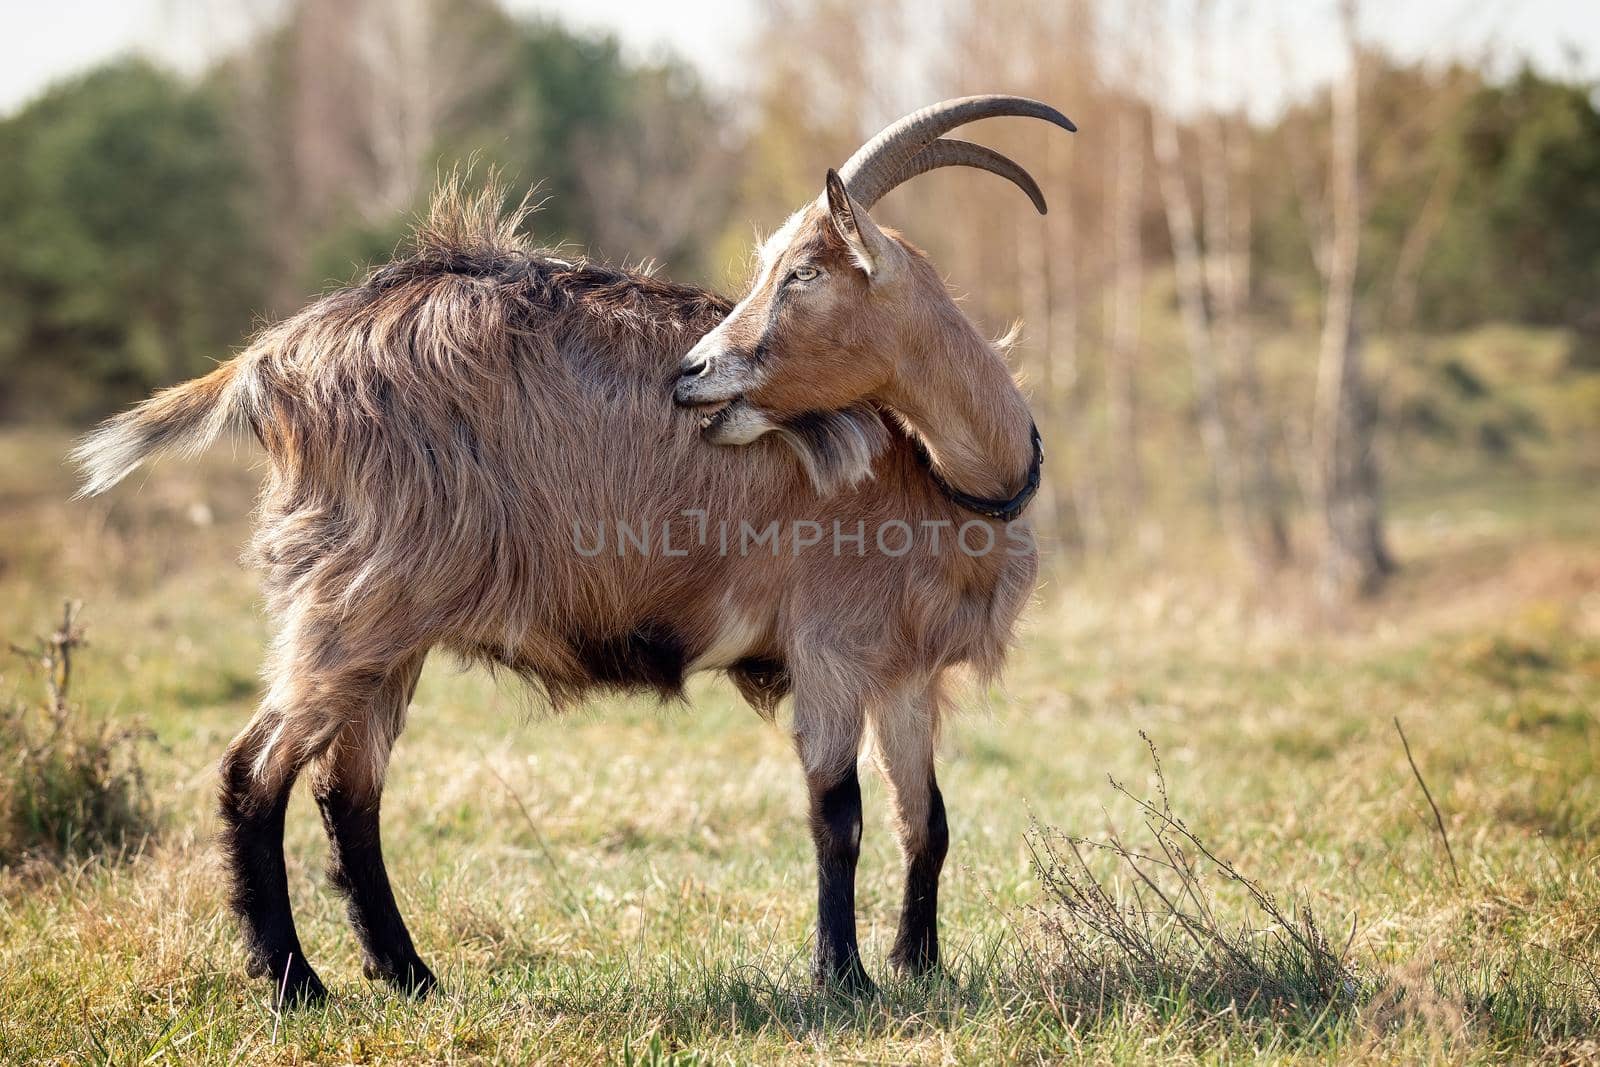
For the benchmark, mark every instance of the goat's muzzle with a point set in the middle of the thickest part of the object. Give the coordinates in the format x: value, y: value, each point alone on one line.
x: 696, y: 392
x: 702, y: 382
x: 695, y: 389
x: 714, y: 380
x: 695, y: 364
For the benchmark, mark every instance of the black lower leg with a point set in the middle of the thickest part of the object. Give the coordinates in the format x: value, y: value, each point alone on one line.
x: 916, y: 945
x: 836, y: 833
x: 356, y: 869
x: 252, y: 841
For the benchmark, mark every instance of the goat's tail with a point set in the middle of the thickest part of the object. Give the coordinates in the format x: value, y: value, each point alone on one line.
x: 184, y: 419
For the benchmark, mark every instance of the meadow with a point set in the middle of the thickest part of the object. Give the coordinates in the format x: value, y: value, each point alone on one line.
x: 633, y: 883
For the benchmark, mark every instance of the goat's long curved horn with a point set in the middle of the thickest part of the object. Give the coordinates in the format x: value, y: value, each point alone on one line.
x: 950, y: 152
x: 887, y: 159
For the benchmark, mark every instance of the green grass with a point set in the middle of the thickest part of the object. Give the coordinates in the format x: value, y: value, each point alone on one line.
x: 654, y: 905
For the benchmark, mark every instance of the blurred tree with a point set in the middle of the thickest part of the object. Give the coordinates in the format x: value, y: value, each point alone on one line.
x: 1129, y: 115
x: 656, y: 182
x: 144, y: 221
x: 125, y: 259
x: 560, y: 89
x: 346, y: 106
x: 632, y: 160
x: 1483, y: 199
x: 1355, y: 555
x: 1373, y: 178
x: 1523, y: 240
x: 816, y: 73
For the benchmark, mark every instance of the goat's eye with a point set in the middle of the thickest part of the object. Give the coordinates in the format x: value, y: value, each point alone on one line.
x: 803, y: 274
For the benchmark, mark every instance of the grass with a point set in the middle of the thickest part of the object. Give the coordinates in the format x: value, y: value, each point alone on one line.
x: 633, y: 883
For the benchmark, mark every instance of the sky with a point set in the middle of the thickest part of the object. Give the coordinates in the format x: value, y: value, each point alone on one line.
x: 41, y: 42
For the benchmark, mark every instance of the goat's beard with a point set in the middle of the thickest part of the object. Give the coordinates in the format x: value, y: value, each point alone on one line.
x: 836, y: 448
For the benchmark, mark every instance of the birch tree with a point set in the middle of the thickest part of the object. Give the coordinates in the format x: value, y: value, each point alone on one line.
x: 1354, y: 555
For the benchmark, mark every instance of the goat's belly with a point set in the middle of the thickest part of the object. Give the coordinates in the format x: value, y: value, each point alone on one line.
x: 651, y: 656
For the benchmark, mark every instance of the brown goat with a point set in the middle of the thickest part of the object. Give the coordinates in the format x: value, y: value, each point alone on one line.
x: 478, y: 449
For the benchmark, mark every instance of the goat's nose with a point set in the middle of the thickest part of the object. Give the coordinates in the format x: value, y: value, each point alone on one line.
x: 694, y: 364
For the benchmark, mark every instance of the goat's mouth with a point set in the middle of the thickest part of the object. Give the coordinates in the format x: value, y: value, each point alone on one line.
x: 713, y: 415
x: 734, y: 421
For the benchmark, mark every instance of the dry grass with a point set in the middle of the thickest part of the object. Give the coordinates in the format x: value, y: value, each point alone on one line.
x: 633, y: 883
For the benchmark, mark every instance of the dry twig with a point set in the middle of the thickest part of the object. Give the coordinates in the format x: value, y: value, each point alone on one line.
x: 1438, y: 819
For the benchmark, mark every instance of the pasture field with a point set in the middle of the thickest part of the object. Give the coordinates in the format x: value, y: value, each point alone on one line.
x: 634, y: 883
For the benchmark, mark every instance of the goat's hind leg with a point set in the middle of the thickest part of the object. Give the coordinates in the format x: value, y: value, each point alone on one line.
x: 258, y: 773
x: 319, y: 689
x: 348, y: 787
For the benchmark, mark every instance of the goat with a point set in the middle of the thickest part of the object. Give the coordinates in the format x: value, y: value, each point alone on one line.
x: 441, y: 434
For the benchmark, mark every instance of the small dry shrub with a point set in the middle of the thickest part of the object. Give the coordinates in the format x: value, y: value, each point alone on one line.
x: 1123, y: 923
x: 69, y: 785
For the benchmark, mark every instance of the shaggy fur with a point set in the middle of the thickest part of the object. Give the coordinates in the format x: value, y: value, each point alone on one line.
x: 442, y: 434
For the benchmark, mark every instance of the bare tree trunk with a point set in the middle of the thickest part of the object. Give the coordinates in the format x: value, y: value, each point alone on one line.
x: 1033, y: 287
x: 1229, y: 220
x: 1355, y: 558
x: 1126, y: 180
x: 1190, y: 273
x: 1076, y: 483
x: 1224, y: 165
x: 396, y: 49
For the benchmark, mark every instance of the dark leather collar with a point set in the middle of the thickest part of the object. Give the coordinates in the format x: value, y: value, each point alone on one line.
x: 999, y: 510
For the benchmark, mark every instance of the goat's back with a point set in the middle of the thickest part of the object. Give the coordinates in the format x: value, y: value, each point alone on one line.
x: 486, y: 452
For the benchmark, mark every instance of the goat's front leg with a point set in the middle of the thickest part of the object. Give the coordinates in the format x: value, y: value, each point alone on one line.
x: 904, y: 729
x: 828, y: 737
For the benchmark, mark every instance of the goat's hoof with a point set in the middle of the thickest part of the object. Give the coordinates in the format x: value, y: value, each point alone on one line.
x: 411, y: 977
x: 914, y: 965
x: 850, y: 980
x: 298, y: 988
x: 416, y: 981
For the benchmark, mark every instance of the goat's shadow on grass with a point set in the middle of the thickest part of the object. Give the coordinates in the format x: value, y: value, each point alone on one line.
x: 761, y: 998
x: 1003, y: 985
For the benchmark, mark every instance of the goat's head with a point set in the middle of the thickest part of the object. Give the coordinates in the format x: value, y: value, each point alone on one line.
x: 837, y: 300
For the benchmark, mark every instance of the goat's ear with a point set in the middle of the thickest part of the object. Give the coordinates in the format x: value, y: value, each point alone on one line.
x: 869, y: 247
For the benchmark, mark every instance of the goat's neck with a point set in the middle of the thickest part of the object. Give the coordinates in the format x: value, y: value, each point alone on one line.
x: 956, y: 392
